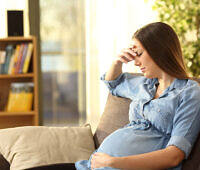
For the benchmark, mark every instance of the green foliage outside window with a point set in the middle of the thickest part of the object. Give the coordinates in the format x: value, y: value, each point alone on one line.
x: 184, y: 17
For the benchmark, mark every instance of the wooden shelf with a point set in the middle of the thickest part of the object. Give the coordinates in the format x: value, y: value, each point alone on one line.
x: 7, y: 76
x: 15, y: 119
x: 31, y: 113
x: 19, y: 38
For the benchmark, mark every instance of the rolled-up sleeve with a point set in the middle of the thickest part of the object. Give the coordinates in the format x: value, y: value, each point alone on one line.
x: 123, y: 85
x: 186, y: 124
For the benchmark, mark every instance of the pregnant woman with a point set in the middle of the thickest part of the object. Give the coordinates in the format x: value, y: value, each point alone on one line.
x: 164, y: 113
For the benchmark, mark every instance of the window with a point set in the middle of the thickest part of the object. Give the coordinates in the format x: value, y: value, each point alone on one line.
x: 62, y: 30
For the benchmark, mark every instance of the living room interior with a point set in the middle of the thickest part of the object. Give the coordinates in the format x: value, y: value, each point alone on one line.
x: 73, y: 52
x: 74, y: 43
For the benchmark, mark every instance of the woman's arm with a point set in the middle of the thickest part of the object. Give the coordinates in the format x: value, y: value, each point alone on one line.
x: 161, y: 159
x: 156, y: 160
x: 115, y: 70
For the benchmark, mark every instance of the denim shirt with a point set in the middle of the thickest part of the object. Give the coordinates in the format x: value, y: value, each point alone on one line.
x: 171, y: 119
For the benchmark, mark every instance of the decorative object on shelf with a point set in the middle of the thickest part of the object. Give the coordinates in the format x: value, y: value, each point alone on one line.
x: 15, y: 21
x: 20, y: 97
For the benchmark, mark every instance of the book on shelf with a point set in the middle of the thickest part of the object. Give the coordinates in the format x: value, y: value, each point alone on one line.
x: 2, y: 59
x: 23, y: 58
x: 11, y: 64
x: 28, y: 58
x: 17, y: 64
x: 9, y: 53
x: 16, y: 59
x: 20, y: 97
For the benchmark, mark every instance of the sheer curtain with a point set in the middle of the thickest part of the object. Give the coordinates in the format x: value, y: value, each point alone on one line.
x: 62, y: 29
x: 109, y: 28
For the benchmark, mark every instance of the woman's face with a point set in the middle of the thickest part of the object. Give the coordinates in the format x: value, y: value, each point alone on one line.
x: 143, y: 60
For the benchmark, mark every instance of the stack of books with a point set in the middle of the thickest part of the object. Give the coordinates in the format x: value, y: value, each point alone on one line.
x: 20, y: 97
x: 16, y: 59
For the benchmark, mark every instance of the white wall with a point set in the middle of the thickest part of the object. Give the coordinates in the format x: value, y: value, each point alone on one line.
x: 13, y: 5
x: 110, y: 26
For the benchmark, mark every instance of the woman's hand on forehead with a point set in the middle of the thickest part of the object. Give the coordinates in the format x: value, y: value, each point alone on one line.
x: 133, y: 52
x: 135, y: 48
x: 129, y: 54
x: 126, y: 55
x: 132, y: 45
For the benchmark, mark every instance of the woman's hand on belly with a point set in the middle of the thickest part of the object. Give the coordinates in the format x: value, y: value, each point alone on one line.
x: 101, y: 160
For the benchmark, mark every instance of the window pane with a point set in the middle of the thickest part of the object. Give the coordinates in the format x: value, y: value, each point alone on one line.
x: 62, y: 30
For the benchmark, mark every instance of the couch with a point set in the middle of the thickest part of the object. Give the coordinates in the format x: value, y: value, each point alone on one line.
x: 115, y: 116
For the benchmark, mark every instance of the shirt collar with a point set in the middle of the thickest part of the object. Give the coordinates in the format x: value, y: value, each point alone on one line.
x: 177, y: 83
x: 151, y: 82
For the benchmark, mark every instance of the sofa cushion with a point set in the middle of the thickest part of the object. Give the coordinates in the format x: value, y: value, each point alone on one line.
x: 193, y: 161
x: 31, y: 146
x: 115, y: 116
x: 62, y: 166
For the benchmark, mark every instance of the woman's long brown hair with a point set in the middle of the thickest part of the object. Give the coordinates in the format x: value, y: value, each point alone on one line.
x: 162, y: 44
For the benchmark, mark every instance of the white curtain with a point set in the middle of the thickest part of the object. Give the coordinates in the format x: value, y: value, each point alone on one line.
x: 110, y: 25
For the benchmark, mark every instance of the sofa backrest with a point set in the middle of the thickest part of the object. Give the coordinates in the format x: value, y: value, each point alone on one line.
x: 115, y: 116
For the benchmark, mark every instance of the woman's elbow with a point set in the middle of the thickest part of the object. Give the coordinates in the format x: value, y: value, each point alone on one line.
x: 177, y: 157
x: 176, y: 162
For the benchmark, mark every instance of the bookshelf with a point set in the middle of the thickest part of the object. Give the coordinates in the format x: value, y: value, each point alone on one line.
x: 14, y: 119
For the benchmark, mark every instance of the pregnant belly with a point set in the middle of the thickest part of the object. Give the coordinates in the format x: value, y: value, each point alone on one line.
x: 129, y: 141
